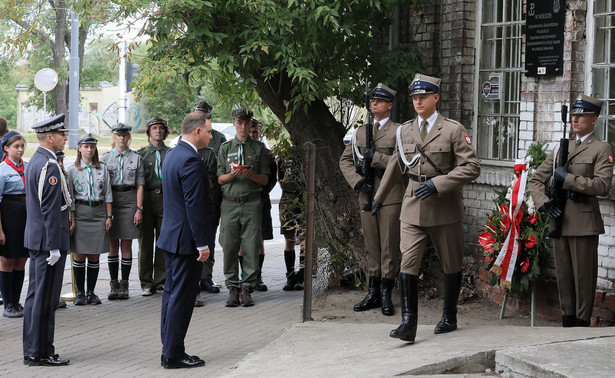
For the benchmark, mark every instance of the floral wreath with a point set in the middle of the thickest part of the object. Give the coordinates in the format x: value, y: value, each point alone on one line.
x: 514, y: 241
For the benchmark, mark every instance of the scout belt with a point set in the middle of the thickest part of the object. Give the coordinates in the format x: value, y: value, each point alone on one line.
x: 86, y: 203
x: 154, y: 190
x: 15, y: 197
x: 123, y: 188
x: 250, y: 197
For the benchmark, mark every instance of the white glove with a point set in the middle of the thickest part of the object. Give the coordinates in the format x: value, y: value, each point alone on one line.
x: 54, y: 256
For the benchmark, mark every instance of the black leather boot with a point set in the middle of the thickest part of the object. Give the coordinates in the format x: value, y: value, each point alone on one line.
x: 291, y: 280
x: 386, y: 287
x: 452, y: 286
x: 372, y: 299
x: 569, y: 321
x: 582, y: 323
x: 409, y: 292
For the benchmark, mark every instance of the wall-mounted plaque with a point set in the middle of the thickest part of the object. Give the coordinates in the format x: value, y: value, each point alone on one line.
x: 544, y: 39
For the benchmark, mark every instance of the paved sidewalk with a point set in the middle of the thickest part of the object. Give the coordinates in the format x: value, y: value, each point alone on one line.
x: 122, y: 338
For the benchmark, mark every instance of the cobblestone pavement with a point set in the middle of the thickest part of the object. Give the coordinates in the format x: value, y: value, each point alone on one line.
x: 122, y: 338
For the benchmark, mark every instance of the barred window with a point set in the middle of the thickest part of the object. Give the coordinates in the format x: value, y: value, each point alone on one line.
x: 499, y: 78
x: 603, y: 67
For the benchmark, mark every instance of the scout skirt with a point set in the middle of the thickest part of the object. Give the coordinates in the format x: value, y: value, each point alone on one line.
x: 13, y: 212
x: 89, y: 236
x: 124, y: 208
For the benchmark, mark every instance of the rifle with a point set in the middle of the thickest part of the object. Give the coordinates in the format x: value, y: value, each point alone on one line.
x: 367, y: 171
x: 558, y: 194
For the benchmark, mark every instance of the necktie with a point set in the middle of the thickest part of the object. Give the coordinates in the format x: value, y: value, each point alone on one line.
x: 424, y: 129
x: 240, y: 153
x: 377, y: 124
x: 157, y: 167
x: 88, y: 169
x: 578, y: 142
x: 120, y: 167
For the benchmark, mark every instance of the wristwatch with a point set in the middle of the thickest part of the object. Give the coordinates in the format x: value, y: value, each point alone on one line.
x: 110, y: 217
x: 140, y: 208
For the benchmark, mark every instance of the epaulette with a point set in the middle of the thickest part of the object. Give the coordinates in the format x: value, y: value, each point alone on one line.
x: 142, y: 149
x: 408, y: 122
x: 453, y: 121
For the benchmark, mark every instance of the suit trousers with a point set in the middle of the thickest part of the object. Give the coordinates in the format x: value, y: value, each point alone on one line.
x: 180, y: 289
x: 381, y: 236
x: 240, y: 226
x: 151, y: 259
x: 44, y: 287
x: 447, y: 240
x: 576, y: 262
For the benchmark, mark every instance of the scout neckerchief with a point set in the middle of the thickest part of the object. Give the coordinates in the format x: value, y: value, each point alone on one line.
x: 120, y: 166
x: 157, y: 166
x: 19, y: 170
x: 88, y: 169
x: 240, y: 153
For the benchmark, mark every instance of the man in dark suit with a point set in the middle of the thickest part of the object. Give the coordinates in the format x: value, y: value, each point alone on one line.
x: 184, y: 237
x: 47, y: 238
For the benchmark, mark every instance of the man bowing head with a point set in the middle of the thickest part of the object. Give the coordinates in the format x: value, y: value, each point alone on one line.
x: 185, y: 236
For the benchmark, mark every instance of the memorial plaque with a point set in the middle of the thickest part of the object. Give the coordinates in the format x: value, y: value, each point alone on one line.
x: 544, y: 39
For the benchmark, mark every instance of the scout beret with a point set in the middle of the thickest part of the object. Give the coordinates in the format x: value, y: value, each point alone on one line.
x: 5, y: 139
x: 424, y: 84
x: 203, y: 106
x: 383, y: 92
x: 121, y: 128
x: 52, y: 124
x: 87, y: 138
x: 242, y: 114
x: 256, y: 123
x: 586, y: 104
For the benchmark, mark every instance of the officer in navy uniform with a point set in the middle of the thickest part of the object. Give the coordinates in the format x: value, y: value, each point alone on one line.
x: 47, y: 238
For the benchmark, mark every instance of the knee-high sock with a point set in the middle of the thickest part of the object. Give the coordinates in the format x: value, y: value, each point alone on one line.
x: 6, y: 287
x: 261, y: 259
x: 114, y: 265
x: 79, y: 272
x: 93, y: 269
x: 289, y: 260
x: 126, y: 266
x: 18, y: 276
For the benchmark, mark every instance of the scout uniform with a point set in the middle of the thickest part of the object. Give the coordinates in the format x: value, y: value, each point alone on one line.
x: 47, y: 237
x: 380, y: 232
x: 126, y: 174
x: 90, y: 188
x: 241, y: 210
x: 151, y: 262
x: 446, y: 163
x: 590, y: 174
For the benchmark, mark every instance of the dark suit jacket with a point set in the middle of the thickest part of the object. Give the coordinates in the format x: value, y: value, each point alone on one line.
x: 46, y: 225
x: 187, y: 206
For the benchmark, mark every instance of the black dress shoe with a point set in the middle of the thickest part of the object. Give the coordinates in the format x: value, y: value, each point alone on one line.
x: 54, y: 360
x: 182, y: 362
x: 208, y: 286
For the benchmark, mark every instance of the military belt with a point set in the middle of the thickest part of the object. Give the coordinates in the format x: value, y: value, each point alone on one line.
x: 86, y: 203
x: 250, y: 197
x: 577, y: 197
x: 154, y: 190
x: 15, y: 197
x: 123, y: 188
x: 420, y: 178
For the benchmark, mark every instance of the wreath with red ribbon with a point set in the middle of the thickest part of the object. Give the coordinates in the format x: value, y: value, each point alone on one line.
x: 514, y: 240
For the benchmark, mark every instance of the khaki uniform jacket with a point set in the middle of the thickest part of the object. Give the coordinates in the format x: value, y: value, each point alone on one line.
x: 590, y: 172
x: 449, y: 147
x: 384, y: 143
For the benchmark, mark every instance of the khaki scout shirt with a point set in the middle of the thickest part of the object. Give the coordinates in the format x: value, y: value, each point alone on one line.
x: 78, y: 184
x: 590, y: 172
x: 384, y: 143
x: 449, y: 147
x: 255, y: 155
x: 148, y: 159
x: 132, y: 168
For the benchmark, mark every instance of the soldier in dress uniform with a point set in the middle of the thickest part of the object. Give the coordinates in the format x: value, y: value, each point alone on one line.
x: 209, y: 154
x: 151, y: 260
x: 436, y: 155
x: 126, y: 173
x: 587, y: 174
x: 243, y: 167
x: 380, y: 232
x: 91, y: 217
x: 47, y: 237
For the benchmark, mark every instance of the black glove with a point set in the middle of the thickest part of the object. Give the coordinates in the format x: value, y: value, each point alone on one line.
x: 368, y: 154
x: 426, y: 189
x: 560, y: 173
x: 551, y: 209
x: 363, y: 186
x: 375, y: 207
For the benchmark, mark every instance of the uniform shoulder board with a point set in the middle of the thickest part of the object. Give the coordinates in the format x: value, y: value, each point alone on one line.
x: 227, y: 142
x: 141, y: 150
x: 453, y: 121
x: 408, y: 122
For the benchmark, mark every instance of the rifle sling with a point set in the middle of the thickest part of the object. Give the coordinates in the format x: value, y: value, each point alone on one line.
x: 422, y: 151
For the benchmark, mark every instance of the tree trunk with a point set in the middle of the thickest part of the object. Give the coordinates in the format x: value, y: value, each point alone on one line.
x: 60, y: 93
x: 337, y: 210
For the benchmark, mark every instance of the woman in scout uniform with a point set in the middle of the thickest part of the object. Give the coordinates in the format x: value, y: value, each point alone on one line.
x: 13, y: 255
x: 90, y: 214
x: 126, y: 174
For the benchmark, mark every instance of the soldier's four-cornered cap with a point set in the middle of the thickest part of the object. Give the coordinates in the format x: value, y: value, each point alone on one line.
x: 586, y: 105
x: 6, y: 138
x: 424, y: 84
x: 121, y: 128
x: 156, y: 120
x: 203, y: 106
x: 60, y: 155
x: 383, y: 92
x: 87, y: 139
x: 242, y: 114
x: 52, y: 124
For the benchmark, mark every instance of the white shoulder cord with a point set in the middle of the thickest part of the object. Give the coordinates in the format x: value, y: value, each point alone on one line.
x: 43, y: 178
x: 357, y: 154
x: 400, y: 150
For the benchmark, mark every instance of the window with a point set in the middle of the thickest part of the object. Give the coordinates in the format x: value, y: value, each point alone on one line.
x: 499, y: 78
x: 603, y: 67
